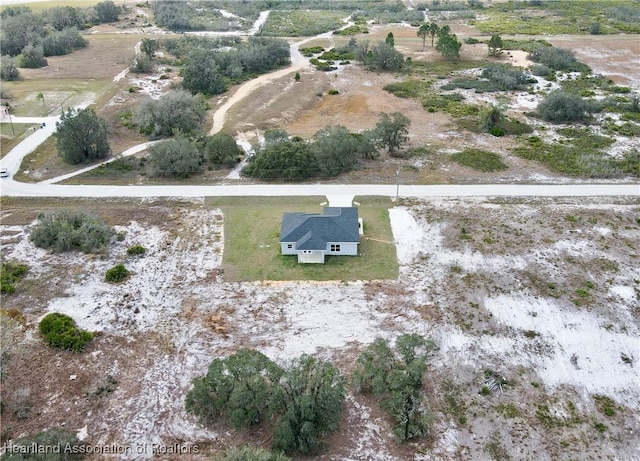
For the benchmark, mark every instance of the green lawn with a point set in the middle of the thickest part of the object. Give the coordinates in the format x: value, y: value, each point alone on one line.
x: 252, y: 252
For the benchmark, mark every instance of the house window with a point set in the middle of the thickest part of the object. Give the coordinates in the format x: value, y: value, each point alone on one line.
x: 290, y: 246
x: 335, y: 247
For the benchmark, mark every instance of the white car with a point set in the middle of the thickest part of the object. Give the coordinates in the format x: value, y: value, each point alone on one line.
x: 4, y: 173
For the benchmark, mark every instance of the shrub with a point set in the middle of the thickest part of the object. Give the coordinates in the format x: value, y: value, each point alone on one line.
x: 557, y: 59
x: 175, y: 158
x: 560, y: 106
x: 60, y: 331
x: 497, y: 131
x: 70, y: 230
x: 136, y: 250
x: 32, y: 57
x: 478, y: 159
x: 116, y: 274
x: 10, y: 273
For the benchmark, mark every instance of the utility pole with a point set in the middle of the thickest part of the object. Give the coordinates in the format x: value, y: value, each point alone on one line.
x: 397, y: 184
x: 10, y: 120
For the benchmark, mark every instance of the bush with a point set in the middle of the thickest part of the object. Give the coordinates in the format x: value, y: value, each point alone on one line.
x: 11, y: 272
x: 478, y: 159
x: 560, y: 106
x: 221, y: 150
x: 175, y: 112
x: 116, y: 274
x: 557, y: 59
x: 31, y: 57
x: 70, y: 230
x: 8, y: 69
x: 141, y: 64
x: 175, y: 158
x: 136, y: 250
x: 60, y: 331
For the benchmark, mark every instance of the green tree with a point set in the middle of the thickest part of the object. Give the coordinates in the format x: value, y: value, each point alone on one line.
x: 290, y: 159
x: 202, y: 74
x: 32, y: 57
x: 174, y: 158
x: 107, y: 11
x: 19, y: 31
x: 310, y: 401
x: 434, y: 29
x: 336, y: 150
x: 384, y: 57
x: 149, y: 46
x: 448, y: 45
x: 392, y: 131
x: 175, y: 112
x: 390, y: 40
x: 297, y: 77
x: 560, y: 106
x: 8, y: 69
x: 64, y: 17
x: 221, y: 150
x: 141, y: 64
x: 396, y: 378
x: 81, y: 137
x: 495, y: 45
x: 422, y: 33
x: 239, y: 388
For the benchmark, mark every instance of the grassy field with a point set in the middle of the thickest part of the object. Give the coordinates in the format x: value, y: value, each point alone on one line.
x: 252, y: 252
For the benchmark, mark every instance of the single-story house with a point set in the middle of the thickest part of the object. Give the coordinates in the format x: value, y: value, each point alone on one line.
x: 311, y: 236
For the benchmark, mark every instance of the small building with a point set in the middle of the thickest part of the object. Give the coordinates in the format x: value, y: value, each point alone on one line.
x: 312, y: 236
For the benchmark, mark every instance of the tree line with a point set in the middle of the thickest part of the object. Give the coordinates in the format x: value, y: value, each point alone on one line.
x: 209, y: 65
x: 331, y: 151
x: 31, y: 37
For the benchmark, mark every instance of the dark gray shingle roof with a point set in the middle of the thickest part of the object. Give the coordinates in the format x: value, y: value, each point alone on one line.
x: 312, y: 231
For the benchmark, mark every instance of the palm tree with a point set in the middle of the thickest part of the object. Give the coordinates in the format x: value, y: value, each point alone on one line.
x: 40, y: 97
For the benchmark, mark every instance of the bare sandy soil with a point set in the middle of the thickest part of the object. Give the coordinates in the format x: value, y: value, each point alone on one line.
x: 543, y: 292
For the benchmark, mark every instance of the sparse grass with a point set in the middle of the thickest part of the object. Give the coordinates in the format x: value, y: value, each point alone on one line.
x: 302, y: 23
x: 480, y: 160
x: 552, y: 18
x: 252, y: 252
x: 8, y: 140
x: 45, y: 161
x: 605, y: 405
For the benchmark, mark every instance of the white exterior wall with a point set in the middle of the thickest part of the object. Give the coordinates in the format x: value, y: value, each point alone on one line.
x: 312, y: 256
x: 349, y: 249
x: 288, y: 251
